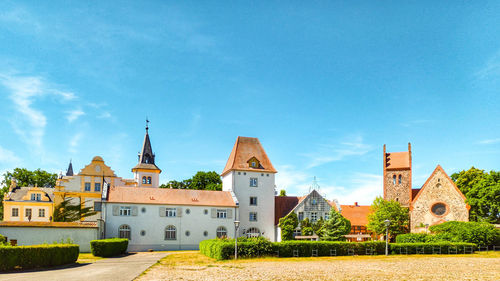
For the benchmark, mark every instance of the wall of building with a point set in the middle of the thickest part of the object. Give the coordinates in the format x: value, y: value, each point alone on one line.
x: 146, y: 217
x: 22, y: 206
x: 39, y: 235
x: 314, y: 203
x: 400, y: 192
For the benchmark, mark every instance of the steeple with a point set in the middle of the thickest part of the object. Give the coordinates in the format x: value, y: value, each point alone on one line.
x: 69, y: 172
x: 147, y: 156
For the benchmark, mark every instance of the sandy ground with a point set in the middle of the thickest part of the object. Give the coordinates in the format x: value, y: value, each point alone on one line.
x: 194, y: 266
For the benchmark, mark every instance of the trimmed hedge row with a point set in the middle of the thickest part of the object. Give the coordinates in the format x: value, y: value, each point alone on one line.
x: 109, y: 247
x: 26, y: 257
x: 433, y: 248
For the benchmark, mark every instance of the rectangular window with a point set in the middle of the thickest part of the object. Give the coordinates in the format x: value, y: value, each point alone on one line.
x: 314, y: 216
x: 253, y: 201
x: 15, y: 212
x: 41, y: 213
x: 38, y: 197
x: 253, y: 216
x: 221, y: 213
x: 87, y: 186
x: 253, y: 182
x: 301, y: 216
x: 97, y: 186
x: 327, y: 216
x: 33, y: 197
x: 125, y: 211
x: 28, y: 213
x: 170, y: 212
x: 97, y: 206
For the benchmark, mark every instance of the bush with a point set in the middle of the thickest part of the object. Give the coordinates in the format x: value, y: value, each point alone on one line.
x: 26, y: 257
x: 422, y: 238
x: 109, y: 247
x: 430, y: 248
x: 480, y: 233
x: 3, y: 240
x: 222, y: 249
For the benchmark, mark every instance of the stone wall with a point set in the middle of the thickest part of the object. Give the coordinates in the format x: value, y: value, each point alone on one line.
x: 398, y: 192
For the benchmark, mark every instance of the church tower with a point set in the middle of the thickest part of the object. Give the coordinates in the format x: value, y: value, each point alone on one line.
x: 146, y: 173
x: 397, y: 176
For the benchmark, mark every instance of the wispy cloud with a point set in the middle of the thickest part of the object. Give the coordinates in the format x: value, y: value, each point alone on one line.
x: 415, y: 122
x: 327, y: 153
x: 105, y: 115
x: 491, y: 69
x: 364, y: 188
x: 489, y: 141
x: 74, y: 142
x: 72, y: 115
x: 8, y: 157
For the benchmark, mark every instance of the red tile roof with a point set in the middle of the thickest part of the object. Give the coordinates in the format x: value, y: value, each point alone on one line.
x: 167, y: 196
x: 48, y: 224
x: 356, y: 214
x: 398, y: 160
x: 284, y: 205
x: 243, y: 150
x: 414, y: 192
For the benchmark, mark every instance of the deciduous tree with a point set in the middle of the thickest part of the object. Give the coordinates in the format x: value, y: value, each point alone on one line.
x: 287, y: 225
x: 388, y: 210
x: 335, y: 227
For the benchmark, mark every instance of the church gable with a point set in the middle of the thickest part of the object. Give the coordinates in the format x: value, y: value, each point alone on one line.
x: 438, y: 200
x: 97, y: 168
x: 313, y: 206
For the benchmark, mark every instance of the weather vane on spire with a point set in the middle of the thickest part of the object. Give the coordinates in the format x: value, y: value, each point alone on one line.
x: 147, y: 123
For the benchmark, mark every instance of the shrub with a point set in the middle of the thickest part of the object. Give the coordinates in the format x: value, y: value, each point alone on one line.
x: 422, y: 238
x: 480, y: 233
x: 430, y: 248
x: 26, y: 257
x: 222, y: 249
x: 109, y: 247
x: 3, y: 240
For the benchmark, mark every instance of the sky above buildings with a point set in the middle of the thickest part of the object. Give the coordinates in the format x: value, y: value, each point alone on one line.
x: 323, y: 85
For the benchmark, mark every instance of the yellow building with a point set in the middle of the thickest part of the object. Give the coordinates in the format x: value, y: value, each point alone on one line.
x: 28, y: 204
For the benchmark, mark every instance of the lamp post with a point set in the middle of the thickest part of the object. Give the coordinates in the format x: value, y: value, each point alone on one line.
x: 387, y: 223
x: 236, y: 225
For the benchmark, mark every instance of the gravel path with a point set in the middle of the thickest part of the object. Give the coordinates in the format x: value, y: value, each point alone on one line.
x: 477, y: 267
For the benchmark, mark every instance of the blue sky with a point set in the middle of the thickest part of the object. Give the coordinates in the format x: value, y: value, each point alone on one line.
x: 323, y: 85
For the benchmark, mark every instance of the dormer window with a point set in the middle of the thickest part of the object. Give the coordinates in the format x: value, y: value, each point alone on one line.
x: 254, y: 163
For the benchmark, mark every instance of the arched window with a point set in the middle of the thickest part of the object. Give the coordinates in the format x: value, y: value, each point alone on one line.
x: 149, y: 180
x: 252, y: 232
x: 144, y: 180
x: 394, y: 179
x: 170, y: 233
x: 399, y: 179
x: 124, y: 231
x: 221, y: 232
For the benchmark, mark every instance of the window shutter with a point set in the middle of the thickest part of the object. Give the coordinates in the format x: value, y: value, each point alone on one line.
x: 214, y: 213
x: 162, y: 211
x: 134, y: 211
x: 115, y: 210
x: 179, y: 212
x: 229, y: 213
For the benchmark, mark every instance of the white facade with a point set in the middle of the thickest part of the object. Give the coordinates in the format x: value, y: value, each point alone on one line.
x: 147, y: 179
x: 148, y: 224
x: 259, y: 216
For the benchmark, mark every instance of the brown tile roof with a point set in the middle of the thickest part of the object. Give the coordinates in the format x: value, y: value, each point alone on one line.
x: 48, y: 224
x: 414, y: 192
x: 19, y: 192
x: 357, y: 214
x: 284, y: 205
x: 243, y: 150
x: 398, y: 160
x: 167, y: 196
x: 145, y: 166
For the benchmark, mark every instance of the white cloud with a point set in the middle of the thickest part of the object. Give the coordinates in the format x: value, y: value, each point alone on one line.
x: 105, y: 115
x: 364, y: 188
x: 491, y: 68
x: 74, y: 142
x: 489, y: 141
x: 8, y: 157
x: 327, y: 153
x: 74, y: 114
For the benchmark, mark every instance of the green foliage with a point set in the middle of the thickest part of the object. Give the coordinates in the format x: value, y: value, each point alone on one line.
x: 335, y: 227
x: 388, y: 210
x: 3, y: 240
x: 26, y: 257
x: 222, y: 249
x: 3, y: 190
x: 287, y: 225
x: 109, y: 247
x: 420, y: 238
x: 307, y: 231
x: 482, y: 191
x: 25, y: 177
x: 68, y: 212
x: 200, y: 181
x: 282, y: 192
x: 480, y: 233
x: 429, y: 248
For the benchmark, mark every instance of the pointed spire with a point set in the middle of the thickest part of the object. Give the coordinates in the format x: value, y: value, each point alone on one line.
x: 69, y: 172
x: 147, y: 156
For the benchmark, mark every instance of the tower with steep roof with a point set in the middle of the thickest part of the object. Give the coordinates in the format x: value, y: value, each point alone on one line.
x: 249, y: 174
x: 397, y: 176
x: 146, y: 173
x: 69, y: 172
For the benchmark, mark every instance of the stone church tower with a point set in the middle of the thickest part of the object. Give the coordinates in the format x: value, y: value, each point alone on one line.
x: 397, y: 176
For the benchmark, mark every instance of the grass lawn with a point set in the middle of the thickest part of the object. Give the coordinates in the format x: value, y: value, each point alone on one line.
x: 191, y: 265
x: 87, y: 258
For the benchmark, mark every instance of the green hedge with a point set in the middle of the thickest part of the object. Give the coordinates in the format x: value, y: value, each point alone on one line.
x: 26, y: 257
x: 433, y: 248
x: 221, y: 249
x: 420, y: 238
x: 109, y: 247
x: 480, y: 233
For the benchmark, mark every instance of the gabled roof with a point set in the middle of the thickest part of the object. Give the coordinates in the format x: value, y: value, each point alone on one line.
x: 19, y: 192
x: 103, y: 170
x: 48, y: 224
x: 167, y: 196
x: 438, y: 168
x: 283, y: 205
x: 356, y: 214
x: 398, y: 160
x: 243, y: 150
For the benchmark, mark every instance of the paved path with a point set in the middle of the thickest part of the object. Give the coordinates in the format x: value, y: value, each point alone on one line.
x: 122, y: 268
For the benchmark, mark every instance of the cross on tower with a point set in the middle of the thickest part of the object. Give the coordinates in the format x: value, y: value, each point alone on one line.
x: 147, y: 124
